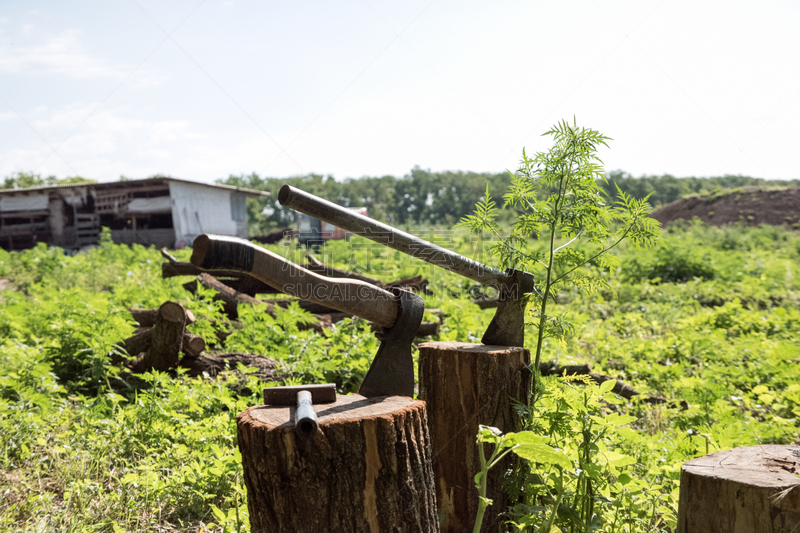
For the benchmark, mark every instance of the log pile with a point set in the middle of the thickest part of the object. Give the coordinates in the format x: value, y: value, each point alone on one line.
x: 237, y: 288
x: 162, y: 342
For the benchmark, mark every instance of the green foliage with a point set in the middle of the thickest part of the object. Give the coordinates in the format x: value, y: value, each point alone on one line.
x: 577, y: 475
x: 86, y: 447
x: 442, y: 198
x: 665, y: 189
x: 558, y: 199
x: 22, y: 180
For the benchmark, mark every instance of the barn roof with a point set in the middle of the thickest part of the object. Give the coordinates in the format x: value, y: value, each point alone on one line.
x: 135, y: 184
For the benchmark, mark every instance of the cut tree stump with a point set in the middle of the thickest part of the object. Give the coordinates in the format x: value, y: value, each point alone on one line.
x: 752, y: 489
x: 367, y: 469
x: 466, y: 385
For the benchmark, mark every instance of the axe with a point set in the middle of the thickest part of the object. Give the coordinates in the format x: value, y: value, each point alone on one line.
x: 399, y: 312
x: 508, y: 325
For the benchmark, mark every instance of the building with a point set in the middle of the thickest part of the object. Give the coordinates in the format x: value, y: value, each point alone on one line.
x: 160, y: 211
x: 312, y: 230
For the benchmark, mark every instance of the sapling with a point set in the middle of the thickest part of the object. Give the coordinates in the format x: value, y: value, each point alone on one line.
x: 558, y: 200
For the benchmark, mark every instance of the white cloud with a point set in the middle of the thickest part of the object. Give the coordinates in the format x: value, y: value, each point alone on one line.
x: 62, y: 54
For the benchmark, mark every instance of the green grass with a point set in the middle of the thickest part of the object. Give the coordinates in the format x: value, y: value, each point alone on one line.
x: 712, y: 321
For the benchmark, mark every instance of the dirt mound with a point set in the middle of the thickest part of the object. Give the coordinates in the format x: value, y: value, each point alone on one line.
x: 751, y: 205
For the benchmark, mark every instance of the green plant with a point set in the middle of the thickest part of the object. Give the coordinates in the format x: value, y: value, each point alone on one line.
x: 558, y: 199
x: 572, y: 212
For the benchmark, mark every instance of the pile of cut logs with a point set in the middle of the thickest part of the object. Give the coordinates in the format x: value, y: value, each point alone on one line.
x: 163, y: 343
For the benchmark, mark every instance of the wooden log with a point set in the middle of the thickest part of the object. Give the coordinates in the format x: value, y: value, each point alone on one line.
x: 146, y: 318
x: 487, y: 303
x: 751, y: 489
x: 315, y: 265
x: 233, y: 299
x: 416, y: 283
x: 212, y: 364
x: 427, y: 329
x: 166, y: 340
x: 138, y: 343
x: 241, y: 282
x: 621, y: 388
x: 368, y: 468
x: 193, y: 344
x: 466, y: 385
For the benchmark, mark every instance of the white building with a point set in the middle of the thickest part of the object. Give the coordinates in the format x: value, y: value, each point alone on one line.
x: 160, y: 211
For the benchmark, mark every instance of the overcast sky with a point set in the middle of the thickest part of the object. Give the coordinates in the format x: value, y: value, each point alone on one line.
x: 204, y: 89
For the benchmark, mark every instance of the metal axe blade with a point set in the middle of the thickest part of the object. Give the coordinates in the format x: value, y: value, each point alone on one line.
x: 392, y: 369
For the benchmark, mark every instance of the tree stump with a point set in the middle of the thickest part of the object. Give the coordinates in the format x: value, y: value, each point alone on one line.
x: 367, y: 469
x: 751, y: 489
x: 466, y: 385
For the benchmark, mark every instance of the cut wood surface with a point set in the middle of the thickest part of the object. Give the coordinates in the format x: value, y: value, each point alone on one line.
x: 193, y: 344
x: 751, y: 489
x: 367, y: 469
x: 146, y: 318
x: 466, y: 385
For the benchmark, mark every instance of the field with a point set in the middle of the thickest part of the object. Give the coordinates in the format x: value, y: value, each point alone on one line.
x: 710, y: 323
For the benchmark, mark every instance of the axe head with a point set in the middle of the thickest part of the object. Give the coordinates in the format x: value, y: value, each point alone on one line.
x: 508, y: 325
x: 392, y: 371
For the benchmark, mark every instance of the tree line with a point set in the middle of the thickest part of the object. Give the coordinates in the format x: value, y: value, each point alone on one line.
x: 423, y: 197
x: 24, y: 180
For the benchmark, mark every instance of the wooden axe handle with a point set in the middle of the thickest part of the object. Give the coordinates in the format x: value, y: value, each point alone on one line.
x: 213, y: 252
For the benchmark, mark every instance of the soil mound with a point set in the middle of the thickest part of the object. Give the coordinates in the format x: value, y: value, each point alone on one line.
x: 751, y: 205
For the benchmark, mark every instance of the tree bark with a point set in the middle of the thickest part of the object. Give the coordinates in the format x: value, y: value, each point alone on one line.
x: 266, y: 369
x: 367, y: 469
x: 166, y: 340
x: 138, y: 343
x: 146, y: 318
x: 751, y: 489
x: 466, y: 385
x: 193, y: 344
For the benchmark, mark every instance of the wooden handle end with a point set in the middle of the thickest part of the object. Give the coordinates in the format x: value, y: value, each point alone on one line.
x: 214, y: 252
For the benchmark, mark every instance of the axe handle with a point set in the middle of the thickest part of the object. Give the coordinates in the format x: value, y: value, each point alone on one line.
x: 392, y: 237
x: 213, y: 252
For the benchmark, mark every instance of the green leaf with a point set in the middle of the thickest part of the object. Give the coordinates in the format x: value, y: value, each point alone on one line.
x: 618, y: 459
x: 218, y: 514
x: 543, y: 454
x: 607, y: 386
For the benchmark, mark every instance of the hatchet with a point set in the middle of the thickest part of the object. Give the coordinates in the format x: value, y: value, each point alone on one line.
x: 507, y: 328
x: 399, y: 312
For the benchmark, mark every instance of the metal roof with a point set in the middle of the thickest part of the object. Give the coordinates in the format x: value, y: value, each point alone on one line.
x: 134, y: 183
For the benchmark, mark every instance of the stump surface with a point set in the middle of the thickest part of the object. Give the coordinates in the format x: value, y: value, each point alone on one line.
x: 368, y: 468
x: 466, y: 385
x: 750, y: 489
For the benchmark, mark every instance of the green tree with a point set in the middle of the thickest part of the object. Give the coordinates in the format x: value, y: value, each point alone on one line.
x: 23, y: 180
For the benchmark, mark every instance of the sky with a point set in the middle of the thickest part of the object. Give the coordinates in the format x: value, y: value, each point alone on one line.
x: 204, y: 89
